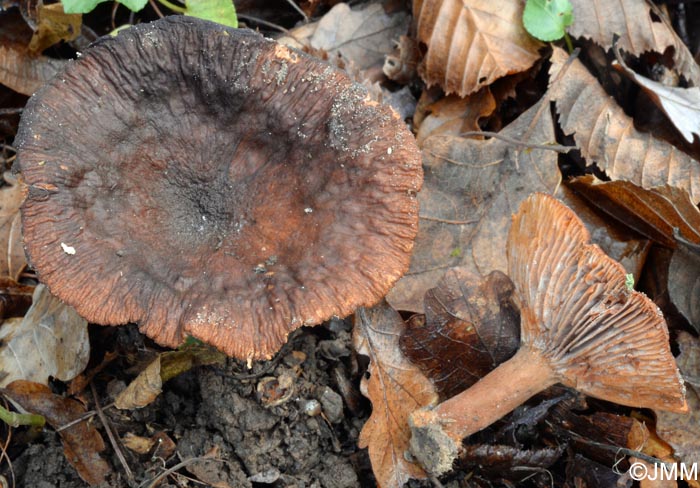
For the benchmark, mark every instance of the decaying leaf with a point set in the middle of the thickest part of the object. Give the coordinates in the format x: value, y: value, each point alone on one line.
x: 640, y: 26
x: 509, y: 462
x: 15, y: 299
x: 53, y: 25
x: 606, y: 135
x: 160, y: 442
x: 657, y: 213
x: 684, y: 282
x: 51, y: 340
x: 82, y: 443
x: 471, y: 43
x: 642, y: 440
x: 148, y: 384
x: 471, y: 188
x: 470, y: 326
x: 18, y: 69
x: 681, y: 105
x: 12, y: 258
x: 362, y: 36
x: 396, y: 388
x: 682, y: 430
x: 453, y: 115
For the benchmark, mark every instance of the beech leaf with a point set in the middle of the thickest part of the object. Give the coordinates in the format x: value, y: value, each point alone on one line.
x: 681, y: 105
x: 606, y: 135
x: 396, y: 388
x: 661, y: 214
x: 639, y: 26
x: 471, y: 43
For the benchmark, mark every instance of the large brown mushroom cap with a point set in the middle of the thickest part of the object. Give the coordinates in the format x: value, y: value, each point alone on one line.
x: 576, y: 310
x: 205, y: 181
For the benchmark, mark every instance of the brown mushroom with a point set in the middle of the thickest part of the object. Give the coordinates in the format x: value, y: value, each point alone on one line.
x: 201, y: 180
x: 580, y: 326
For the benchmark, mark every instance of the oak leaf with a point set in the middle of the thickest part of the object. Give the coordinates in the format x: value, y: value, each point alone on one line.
x: 396, y: 388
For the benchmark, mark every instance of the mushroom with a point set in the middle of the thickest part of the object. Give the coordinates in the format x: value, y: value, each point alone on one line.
x: 580, y: 326
x: 201, y: 180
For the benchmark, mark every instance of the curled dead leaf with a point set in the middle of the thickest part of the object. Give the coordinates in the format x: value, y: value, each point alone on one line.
x: 640, y: 27
x: 50, y: 341
x: 606, y: 135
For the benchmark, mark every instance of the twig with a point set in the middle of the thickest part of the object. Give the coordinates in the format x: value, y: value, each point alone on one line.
x: 112, y: 439
x: 154, y: 5
x: 82, y: 418
x: 11, y: 111
x: 516, y: 142
x: 264, y: 22
x: 4, y: 451
x: 296, y: 7
x: 211, y: 455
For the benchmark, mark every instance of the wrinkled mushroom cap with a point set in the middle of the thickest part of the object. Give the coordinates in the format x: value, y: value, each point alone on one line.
x: 205, y: 181
x: 597, y: 335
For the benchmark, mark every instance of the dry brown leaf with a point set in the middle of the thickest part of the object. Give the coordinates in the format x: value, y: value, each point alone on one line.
x: 656, y: 213
x: 642, y: 440
x: 640, y: 27
x: 470, y: 327
x: 684, y: 282
x: 681, y: 105
x: 396, y: 388
x: 53, y: 25
x: 143, y: 390
x: 12, y: 258
x: 50, y: 341
x: 471, y: 43
x: 18, y: 70
x: 682, y: 430
x: 82, y: 444
x: 470, y: 190
x: 453, y: 115
x: 361, y: 37
x: 148, y: 384
x: 607, y: 137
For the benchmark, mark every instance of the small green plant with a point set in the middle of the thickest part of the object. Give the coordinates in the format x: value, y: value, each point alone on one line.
x: 221, y: 11
x: 629, y: 281
x: 547, y: 20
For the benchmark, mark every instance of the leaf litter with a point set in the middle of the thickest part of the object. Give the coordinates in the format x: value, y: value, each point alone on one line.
x: 474, y: 182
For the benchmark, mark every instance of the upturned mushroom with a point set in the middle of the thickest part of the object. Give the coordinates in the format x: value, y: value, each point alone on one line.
x: 205, y: 181
x: 580, y: 326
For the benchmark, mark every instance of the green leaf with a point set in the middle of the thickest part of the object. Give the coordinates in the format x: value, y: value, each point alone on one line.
x: 547, y: 20
x: 629, y: 281
x: 221, y: 11
x: 85, y: 6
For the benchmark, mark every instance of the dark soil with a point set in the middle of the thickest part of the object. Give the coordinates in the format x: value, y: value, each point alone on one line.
x: 282, y: 423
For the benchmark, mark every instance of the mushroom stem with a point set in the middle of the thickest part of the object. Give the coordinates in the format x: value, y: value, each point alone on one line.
x: 438, y: 432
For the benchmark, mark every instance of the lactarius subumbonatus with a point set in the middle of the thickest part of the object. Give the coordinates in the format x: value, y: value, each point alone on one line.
x: 201, y: 180
x: 580, y: 326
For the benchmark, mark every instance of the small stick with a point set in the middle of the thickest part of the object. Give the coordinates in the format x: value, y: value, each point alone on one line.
x: 112, y: 439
